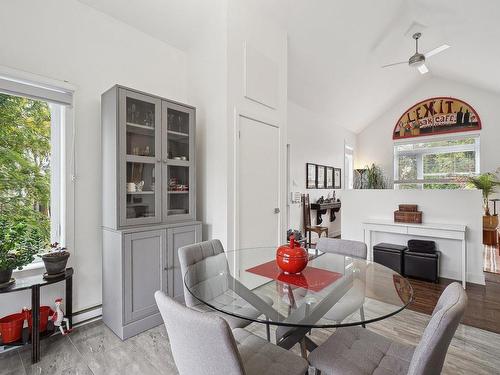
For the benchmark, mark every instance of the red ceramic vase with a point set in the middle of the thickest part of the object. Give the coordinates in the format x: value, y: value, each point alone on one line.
x: 292, y: 258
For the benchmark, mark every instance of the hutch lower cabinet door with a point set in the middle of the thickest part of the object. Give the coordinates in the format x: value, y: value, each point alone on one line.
x: 179, y: 237
x: 143, y: 260
x: 137, y: 263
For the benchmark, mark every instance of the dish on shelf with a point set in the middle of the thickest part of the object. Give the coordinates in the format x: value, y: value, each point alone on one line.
x: 178, y: 188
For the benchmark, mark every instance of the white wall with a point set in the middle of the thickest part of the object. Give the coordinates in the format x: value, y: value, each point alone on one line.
x: 207, y: 91
x: 438, y: 206
x: 66, y: 40
x: 246, y: 28
x: 314, y: 139
x: 375, y: 142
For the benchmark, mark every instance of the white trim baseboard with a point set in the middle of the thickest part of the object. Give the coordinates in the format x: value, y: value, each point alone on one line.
x: 88, y: 314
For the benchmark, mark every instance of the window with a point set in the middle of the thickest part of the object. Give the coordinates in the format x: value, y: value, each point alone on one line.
x: 32, y: 193
x: 436, y: 164
x: 348, y: 167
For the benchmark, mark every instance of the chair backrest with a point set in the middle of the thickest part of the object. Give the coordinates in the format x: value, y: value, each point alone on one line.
x: 430, y: 353
x: 203, y: 262
x: 355, y: 249
x: 306, y: 210
x: 201, y: 343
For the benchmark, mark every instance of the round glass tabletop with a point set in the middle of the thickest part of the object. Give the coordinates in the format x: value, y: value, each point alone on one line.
x: 332, y: 291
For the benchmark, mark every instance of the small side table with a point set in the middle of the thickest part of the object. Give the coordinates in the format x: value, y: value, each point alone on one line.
x: 35, y: 283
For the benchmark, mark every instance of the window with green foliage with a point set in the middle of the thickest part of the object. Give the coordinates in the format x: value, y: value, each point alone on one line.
x: 440, y: 164
x: 25, y: 171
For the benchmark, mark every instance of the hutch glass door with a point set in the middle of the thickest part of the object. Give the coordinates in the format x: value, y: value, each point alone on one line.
x: 178, y: 125
x: 140, y: 154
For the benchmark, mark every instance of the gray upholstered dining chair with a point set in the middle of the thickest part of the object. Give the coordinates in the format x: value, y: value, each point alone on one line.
x: 354, y: 249
x: 354, y: 299
x: 205, y: 262
x: 358, y: 351
x: 203, y: 344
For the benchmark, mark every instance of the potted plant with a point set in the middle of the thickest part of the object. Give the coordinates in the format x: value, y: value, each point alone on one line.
x: 375, y: 177
x: 55, y: 259
x: 487, y: 182
x: 19, y: 243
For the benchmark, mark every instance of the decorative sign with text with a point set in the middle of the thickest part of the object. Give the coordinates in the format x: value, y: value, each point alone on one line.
x: 437, y: 116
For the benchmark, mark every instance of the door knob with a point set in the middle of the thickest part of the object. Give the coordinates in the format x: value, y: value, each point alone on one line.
x: 277, y: 210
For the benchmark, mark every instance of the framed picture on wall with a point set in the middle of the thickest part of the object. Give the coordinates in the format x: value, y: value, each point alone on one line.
x: 310, y: 176
x: 320, y: 177
x: 337, y: 178
x: 329, y: 178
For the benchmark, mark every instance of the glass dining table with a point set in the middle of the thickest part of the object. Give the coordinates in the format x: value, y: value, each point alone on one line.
x: 332, y: 291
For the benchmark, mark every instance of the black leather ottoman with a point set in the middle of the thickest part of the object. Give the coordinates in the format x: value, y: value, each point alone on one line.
x: 390, y: 255
x: 421, y: 260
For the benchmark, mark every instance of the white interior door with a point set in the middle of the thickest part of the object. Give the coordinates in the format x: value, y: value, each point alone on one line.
x: 258, y: 197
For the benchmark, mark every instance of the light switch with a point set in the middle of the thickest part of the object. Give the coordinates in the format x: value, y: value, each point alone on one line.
x: 295, y: 197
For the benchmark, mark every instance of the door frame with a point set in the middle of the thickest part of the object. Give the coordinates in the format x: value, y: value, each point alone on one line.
x: 238, y: 114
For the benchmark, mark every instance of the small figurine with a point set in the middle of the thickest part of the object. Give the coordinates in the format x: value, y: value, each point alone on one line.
x: 25, y: 332
x: 58, y: 318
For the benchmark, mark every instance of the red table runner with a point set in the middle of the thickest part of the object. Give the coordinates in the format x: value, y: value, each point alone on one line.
x: 311, y: 278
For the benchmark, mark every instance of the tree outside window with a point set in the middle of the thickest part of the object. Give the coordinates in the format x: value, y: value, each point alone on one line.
x: 25, y: 147
x: 440, y: 164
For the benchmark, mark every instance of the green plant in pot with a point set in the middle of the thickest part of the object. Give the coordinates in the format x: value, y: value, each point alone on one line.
x: 19, y: 243
x: 375, y: 178
x: 55, y: 259
x: 487, y: 182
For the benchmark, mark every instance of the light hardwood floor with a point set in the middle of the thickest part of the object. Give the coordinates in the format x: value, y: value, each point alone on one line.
x: 94, y: 349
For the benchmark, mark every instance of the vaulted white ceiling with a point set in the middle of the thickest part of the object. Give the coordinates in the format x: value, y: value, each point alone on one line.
x: 336, y: 47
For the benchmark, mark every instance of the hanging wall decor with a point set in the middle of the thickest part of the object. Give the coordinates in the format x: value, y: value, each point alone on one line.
x: 329, y: 178
x: 337, y: 178
x: 310, y: 176
x: 436, y: 116
x: 320, y: 177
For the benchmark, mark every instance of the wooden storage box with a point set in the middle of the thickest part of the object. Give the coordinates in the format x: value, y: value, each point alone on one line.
x: 408, y: 207
x: 408, y: 217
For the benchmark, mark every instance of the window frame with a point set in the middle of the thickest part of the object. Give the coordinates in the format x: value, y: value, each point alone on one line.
x: 59, y: 96
x: 420, y: 181
x: 348, y: 166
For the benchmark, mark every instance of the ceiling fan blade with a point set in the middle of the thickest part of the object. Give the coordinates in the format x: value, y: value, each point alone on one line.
x: 423, y: 69
x: 437, y: 50
x: 398, y: 63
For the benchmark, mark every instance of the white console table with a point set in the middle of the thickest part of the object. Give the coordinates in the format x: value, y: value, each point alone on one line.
x: 435, y: 230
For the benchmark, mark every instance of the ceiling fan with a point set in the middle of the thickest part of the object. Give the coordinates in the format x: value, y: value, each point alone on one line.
x: 418, y: 59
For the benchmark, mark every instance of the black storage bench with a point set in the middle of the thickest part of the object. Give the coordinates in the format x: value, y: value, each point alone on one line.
x: 421, y: 260
x: 390, y: 255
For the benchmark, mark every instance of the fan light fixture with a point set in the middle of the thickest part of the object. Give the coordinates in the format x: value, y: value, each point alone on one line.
x: 418, y: 59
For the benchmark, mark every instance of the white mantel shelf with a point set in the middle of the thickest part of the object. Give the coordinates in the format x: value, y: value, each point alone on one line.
x: 433, y: 230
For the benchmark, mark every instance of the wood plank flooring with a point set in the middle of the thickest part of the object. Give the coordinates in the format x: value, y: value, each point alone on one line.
x: 483, y: 308
x: 93, y: 349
